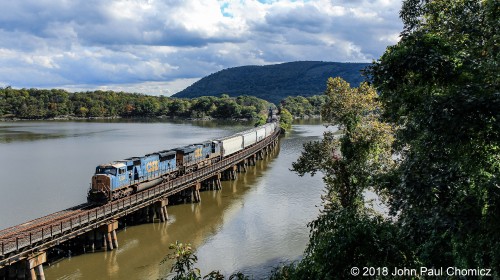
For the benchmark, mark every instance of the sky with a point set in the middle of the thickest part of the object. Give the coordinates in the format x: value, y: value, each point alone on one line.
x: 159, y: 47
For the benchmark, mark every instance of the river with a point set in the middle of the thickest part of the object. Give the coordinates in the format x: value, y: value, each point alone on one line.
x: 252, y: 225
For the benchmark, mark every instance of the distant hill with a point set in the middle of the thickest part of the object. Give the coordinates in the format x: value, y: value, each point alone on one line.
x: 275, y: 82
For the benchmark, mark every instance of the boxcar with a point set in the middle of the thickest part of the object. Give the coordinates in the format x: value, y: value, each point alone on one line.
x: 231, y: 145
x: 261, y: 133
x: 269, y: 129
x: 249, y: 137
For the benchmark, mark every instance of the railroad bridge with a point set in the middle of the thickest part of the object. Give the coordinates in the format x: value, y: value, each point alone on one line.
x: 24, y: 248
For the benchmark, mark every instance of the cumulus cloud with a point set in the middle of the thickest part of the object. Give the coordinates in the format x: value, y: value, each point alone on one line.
x: 158, y: 46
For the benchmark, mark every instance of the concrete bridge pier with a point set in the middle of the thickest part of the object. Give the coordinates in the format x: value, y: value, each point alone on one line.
x: 30, y: 268
x: 252, y: 160
x: 230, y: 173
x: 35, y: 266
x: 212, y: 183
x: 215, y: 182
x: 160, y: 209
x: 259, y: 155
x: 108, y: 232
x: 242, y: 166
x: 264, y: 151
x: 269, y: 150
x: 196, y: 198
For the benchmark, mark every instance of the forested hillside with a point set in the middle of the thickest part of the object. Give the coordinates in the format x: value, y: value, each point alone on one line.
x: 57, y: 103
x: 275, y: 82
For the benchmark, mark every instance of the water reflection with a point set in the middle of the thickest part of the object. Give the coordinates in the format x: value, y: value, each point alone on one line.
x: 11, y: 134
x: 21, y: 131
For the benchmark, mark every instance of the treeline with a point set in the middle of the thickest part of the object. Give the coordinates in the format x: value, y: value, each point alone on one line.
x: 301, y: 107
x: 46, y: 104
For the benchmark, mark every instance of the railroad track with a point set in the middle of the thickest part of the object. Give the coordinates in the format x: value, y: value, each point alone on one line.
x: 18, y: 230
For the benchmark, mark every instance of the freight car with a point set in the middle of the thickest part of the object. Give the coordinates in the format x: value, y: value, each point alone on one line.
x: 121, y: 178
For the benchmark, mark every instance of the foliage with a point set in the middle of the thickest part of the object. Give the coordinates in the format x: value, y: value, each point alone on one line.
x: 348, y: 232
x: 285, y: 119
x: 440, y: 85
x: 437, y: 108
x: 287, y: 271
x: 349, y: 162
x: 262, y: 119
x: 184, y: 261
x: 43, y: 104
x: 214, y: 275
x: 274, y: 82
x: 301, y: 107
x: 342, y: 238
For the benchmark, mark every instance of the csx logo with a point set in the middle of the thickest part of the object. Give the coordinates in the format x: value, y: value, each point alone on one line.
x: 152, y: 166
x: 197, y: 153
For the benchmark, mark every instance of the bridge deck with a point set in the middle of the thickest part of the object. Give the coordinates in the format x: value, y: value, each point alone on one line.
x: 20, y: 241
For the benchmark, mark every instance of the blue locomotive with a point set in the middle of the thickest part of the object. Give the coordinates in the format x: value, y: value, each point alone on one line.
x: 121, y: 178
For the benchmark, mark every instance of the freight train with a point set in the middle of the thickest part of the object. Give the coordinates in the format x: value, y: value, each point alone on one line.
x: 124, y: 177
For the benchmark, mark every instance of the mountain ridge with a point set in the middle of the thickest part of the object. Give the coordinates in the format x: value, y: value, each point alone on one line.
x: 276, y: 81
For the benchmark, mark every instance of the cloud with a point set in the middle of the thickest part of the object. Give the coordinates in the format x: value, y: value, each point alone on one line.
x: 154, y: 43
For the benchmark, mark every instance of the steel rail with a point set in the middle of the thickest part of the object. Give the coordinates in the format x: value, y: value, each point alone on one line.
x: 18, y: 229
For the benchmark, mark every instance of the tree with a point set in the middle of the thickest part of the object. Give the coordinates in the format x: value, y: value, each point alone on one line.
x: 82, y: 112
x: 286, y: 119
x: 184, y: 261
x: 227, y: 108
x: 179, y: 107
x: 300, y: 106
x: 440, y: 85
x: 348, y: 232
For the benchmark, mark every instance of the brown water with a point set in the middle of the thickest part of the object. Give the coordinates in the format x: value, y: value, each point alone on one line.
x: 252, y: 225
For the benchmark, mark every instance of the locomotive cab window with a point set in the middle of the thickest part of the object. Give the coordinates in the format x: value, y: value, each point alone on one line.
x: 110, y: 171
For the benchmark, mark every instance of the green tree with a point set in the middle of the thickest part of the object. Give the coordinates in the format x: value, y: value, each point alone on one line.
x: 149, y: 106
x: 440, y: 85
x: 300, y: 106
x: 285, y: 119
x: 3, y: 102
x: 205, y: 106
x: 227, y: 108
x: 184, y: 261
x: 262, y: 119
x: 82, y: 112
x: 180, y: 107
x: 348, y: 232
